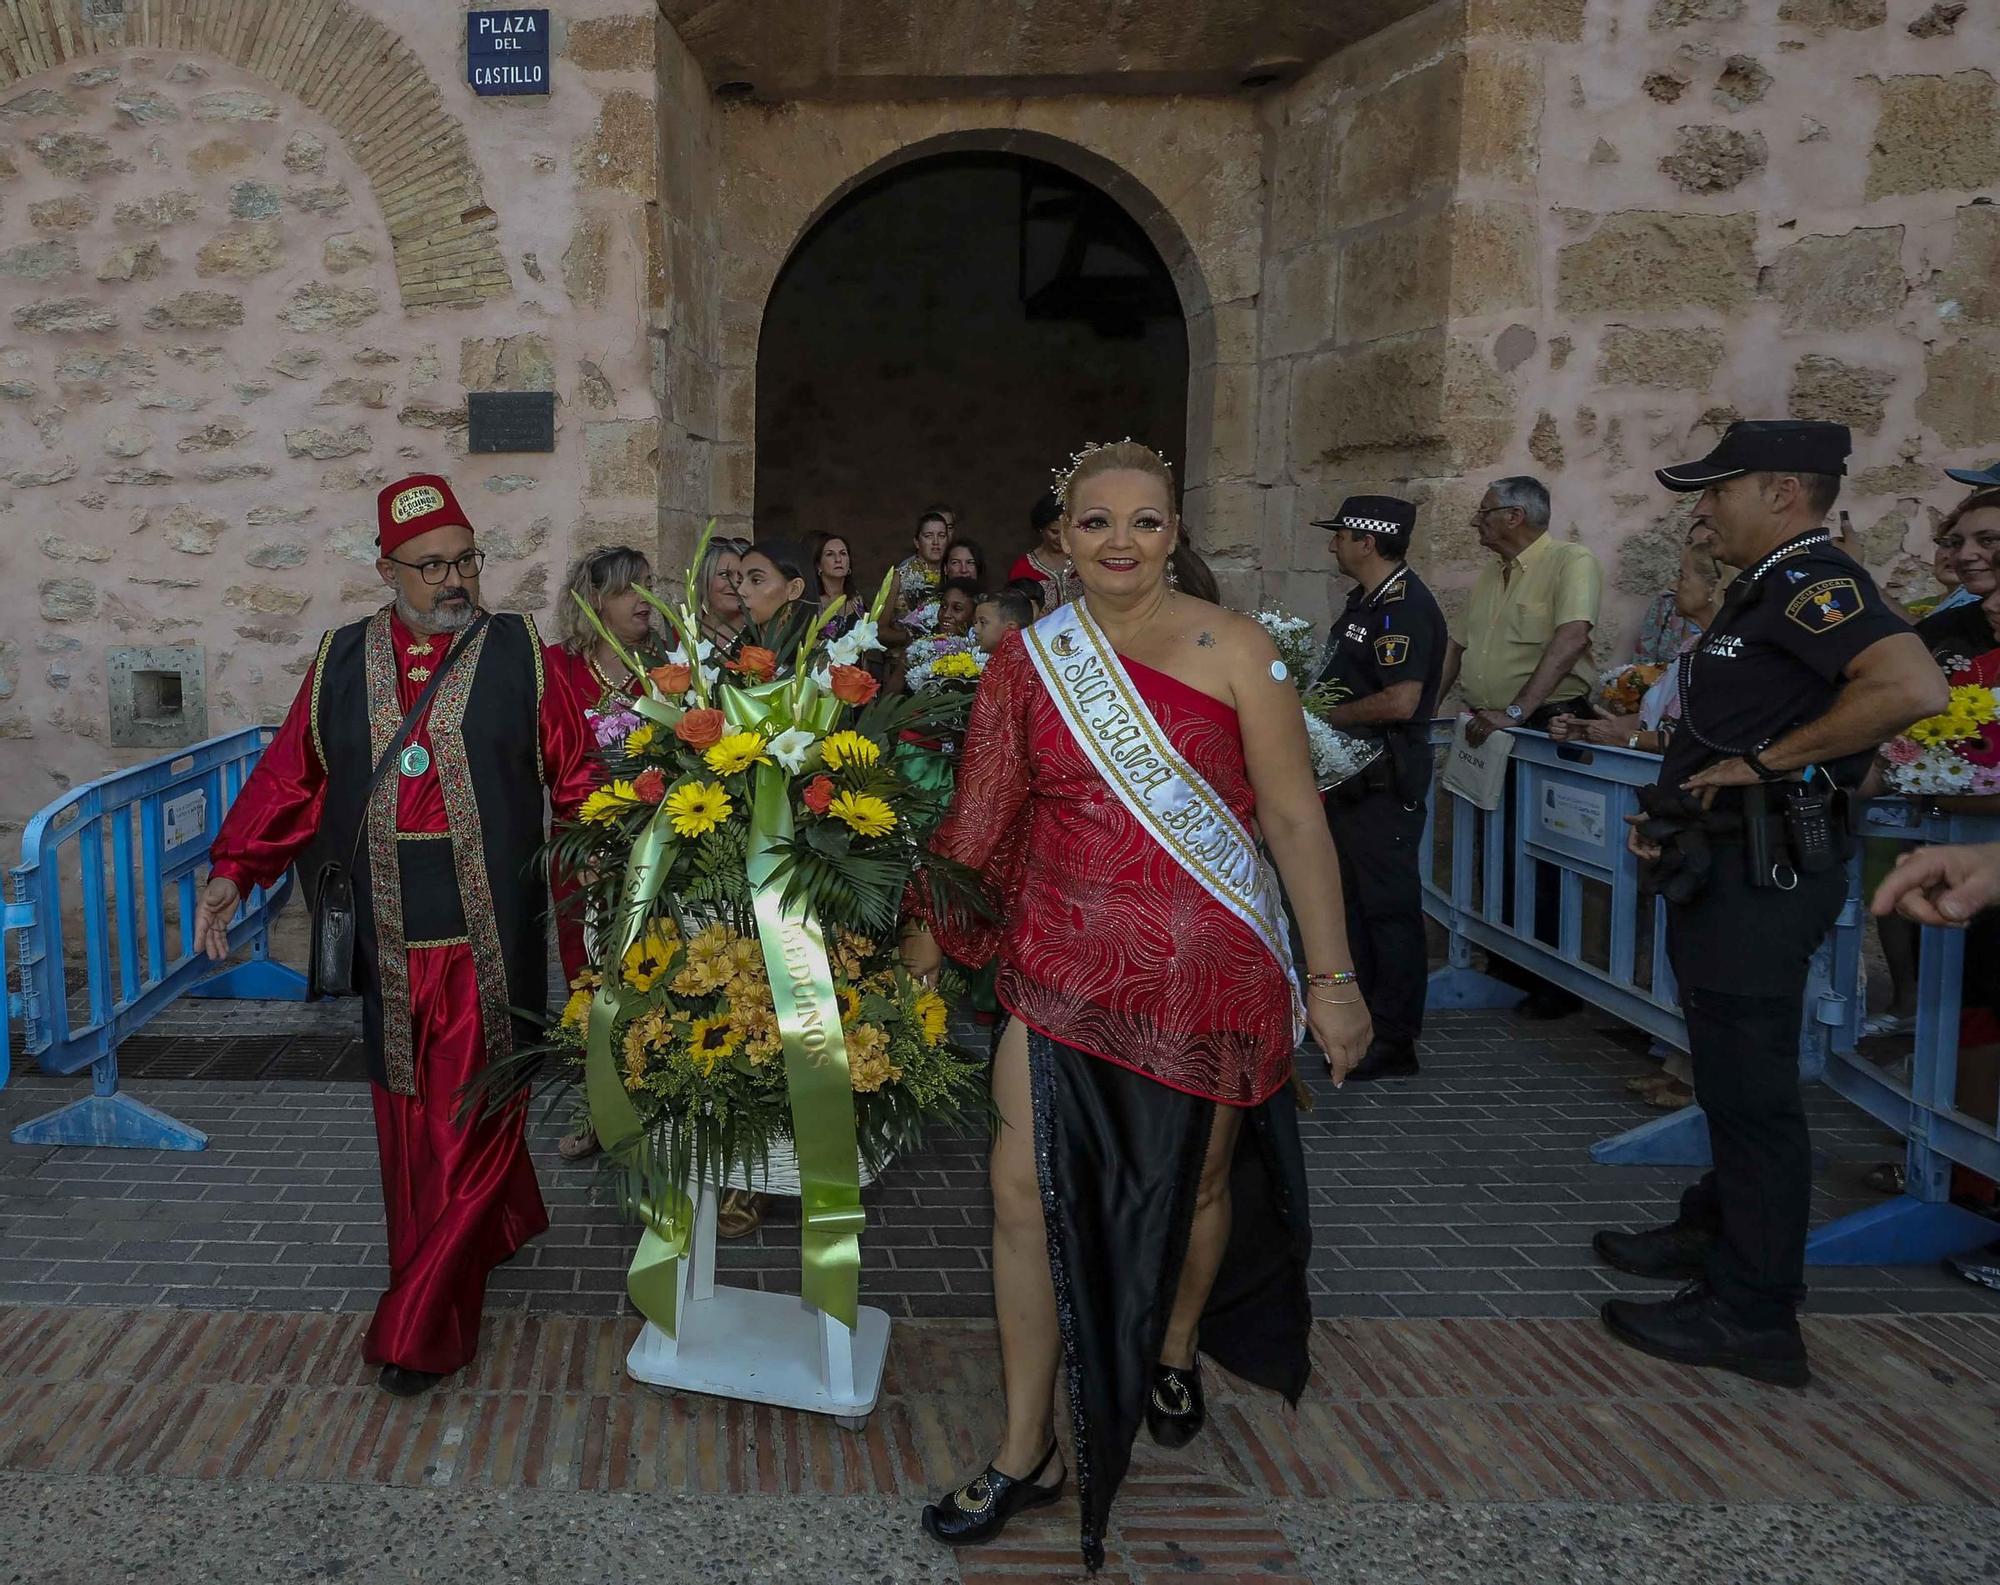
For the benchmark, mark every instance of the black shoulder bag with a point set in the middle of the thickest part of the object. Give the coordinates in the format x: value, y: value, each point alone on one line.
x: 330, y: 961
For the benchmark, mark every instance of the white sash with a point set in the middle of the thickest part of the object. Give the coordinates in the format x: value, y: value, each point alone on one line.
x: 1166, y: 795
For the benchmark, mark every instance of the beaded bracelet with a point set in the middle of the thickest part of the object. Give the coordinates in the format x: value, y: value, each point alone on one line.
x: 1338, y: 977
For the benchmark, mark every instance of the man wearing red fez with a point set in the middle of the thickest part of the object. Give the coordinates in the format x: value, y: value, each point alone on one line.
x: 450, y: 901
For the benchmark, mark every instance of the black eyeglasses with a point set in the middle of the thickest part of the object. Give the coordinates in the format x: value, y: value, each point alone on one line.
x: 433, y: 571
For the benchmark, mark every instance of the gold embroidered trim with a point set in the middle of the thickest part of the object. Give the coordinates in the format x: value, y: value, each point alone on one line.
x: 385, y: 879
x: 442, y: 941
x: 423, y: 836
x: 461, y: 807
x: 535, y: 649
x: 319, y: 678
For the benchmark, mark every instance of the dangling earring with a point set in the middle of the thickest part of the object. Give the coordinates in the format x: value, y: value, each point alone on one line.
x: 1173, y: 576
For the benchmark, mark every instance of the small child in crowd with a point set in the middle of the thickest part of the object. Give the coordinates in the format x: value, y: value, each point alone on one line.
x: 1007, y: 611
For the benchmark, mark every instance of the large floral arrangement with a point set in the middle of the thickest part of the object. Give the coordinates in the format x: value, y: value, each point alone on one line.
x: 748, y: 852
x: 1336, y: 755
x: 1621, y: 688
x: 1957, y: 752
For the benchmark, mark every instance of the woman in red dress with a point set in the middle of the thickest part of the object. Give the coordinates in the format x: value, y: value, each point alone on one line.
x: 1048, y: 562
x: 1149, y: 1193
x: 585, y: 674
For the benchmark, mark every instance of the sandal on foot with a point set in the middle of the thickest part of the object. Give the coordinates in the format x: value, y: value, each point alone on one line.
x: 1175, y: 1410
x: 979, y: 1510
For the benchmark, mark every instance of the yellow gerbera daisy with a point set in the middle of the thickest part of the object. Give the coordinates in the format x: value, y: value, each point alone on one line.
x: 639, y: 741
x: 697, y: 808
x: 863, y: 813
x: 843, y: 749
x: 608, y: 803
x: 736, y: 753
x: 933, y: 1015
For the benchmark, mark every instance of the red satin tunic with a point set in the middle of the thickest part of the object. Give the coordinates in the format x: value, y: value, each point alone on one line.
x: 1105, y: 942
x: 459, y: 1198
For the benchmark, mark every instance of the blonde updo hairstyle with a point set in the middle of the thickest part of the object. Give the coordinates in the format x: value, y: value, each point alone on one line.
x: 1186, y: 570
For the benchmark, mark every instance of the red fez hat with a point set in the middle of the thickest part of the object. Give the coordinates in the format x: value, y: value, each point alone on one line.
x: 414, y: 506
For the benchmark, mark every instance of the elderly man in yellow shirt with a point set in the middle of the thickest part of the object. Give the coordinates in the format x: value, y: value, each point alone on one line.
x: 1522, y: 647
x: 1522, y: 651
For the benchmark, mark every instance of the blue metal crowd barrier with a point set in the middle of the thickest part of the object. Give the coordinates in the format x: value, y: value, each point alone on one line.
x: 134, y: 840
x: 1564, y: 807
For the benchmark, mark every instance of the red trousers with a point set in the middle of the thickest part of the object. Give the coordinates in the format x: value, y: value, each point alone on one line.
x: 460, y: 1198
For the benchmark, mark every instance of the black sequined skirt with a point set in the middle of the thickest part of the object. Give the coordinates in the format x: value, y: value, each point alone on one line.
x: 1120, y: 1159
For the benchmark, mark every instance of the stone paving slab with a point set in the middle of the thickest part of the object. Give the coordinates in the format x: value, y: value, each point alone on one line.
x: 1445, y: 1417
x: 1466, y: 1191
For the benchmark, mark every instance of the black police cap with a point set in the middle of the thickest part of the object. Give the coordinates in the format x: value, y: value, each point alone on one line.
x: 1372, y: 514
x: 1782, y: 445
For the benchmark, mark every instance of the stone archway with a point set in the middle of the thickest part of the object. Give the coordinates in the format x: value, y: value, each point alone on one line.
x: 948, y: 330
x: 338, y: 61
x: 788, y: 166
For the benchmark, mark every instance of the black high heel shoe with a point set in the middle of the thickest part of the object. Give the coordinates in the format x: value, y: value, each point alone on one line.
x: 980, y: 1509
x: 1175, y: 1409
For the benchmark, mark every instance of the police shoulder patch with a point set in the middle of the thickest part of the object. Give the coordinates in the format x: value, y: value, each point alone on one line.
x: 1820, y: 607
x: 1390, y: 648
x: 1393, y: 593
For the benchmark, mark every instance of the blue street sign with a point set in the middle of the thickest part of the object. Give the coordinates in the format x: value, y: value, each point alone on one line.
x: 507, y: 52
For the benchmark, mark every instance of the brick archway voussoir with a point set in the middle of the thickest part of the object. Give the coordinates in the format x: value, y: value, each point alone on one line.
x: 338, y: 61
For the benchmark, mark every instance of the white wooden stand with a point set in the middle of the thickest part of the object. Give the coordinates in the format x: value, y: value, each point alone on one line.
x: 761, y: 1347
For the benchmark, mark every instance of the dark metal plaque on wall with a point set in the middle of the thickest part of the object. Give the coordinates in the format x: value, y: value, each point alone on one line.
x: 510, y: 421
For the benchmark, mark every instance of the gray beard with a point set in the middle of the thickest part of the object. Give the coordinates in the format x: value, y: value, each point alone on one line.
x: 453, y: 618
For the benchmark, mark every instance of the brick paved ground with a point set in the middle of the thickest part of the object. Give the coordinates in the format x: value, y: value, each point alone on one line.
x: 1452, y: 1415
x: 181, y: 1395
x: 1464, y: 1192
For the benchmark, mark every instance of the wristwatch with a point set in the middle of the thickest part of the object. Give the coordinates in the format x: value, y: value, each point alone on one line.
x: 1514, y: 712
x: 1633, y: 740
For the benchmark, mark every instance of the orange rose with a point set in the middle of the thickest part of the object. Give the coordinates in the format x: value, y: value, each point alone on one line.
x: 818, y: 794
x: 650, y: 785
x: 672, y: 679
x: 852, y: 685
x: 700, y: 729
x: 760, y: 665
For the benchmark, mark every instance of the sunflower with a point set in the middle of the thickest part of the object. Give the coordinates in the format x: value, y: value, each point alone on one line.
x: 933, y: 1015
x: 843, y: 749
x: 736, y: 753
x: 608, y: 803
x: 648, y: 957
x: 711, y: 1040
x: 863, y: 813
x: 696, y: 808
x: 641, y: 739
x: 850, y: 1003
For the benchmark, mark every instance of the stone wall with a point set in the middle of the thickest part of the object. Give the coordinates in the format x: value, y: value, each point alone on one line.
x: 1576, y: 237
x: 248, y: 271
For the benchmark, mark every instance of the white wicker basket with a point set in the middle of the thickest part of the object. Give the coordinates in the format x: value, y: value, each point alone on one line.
x: 779, y: 1173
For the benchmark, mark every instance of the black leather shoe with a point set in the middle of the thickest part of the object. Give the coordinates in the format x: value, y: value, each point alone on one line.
x: 1676, y: 1252
x: 1694, y: 1327
x: 1175, y: 1409
x: 1383, y: 1062
x: 407, y: 1383
x: 980, y: 1509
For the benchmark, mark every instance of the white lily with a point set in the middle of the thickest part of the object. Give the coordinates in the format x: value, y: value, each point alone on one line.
x: 848, y: 649
x: 678, y: 656
x: 792, y: 747
x: 822, y: 678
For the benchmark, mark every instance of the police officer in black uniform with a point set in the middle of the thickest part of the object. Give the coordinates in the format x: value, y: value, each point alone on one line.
x: 1387, y: 652
x: 1802, y: 675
